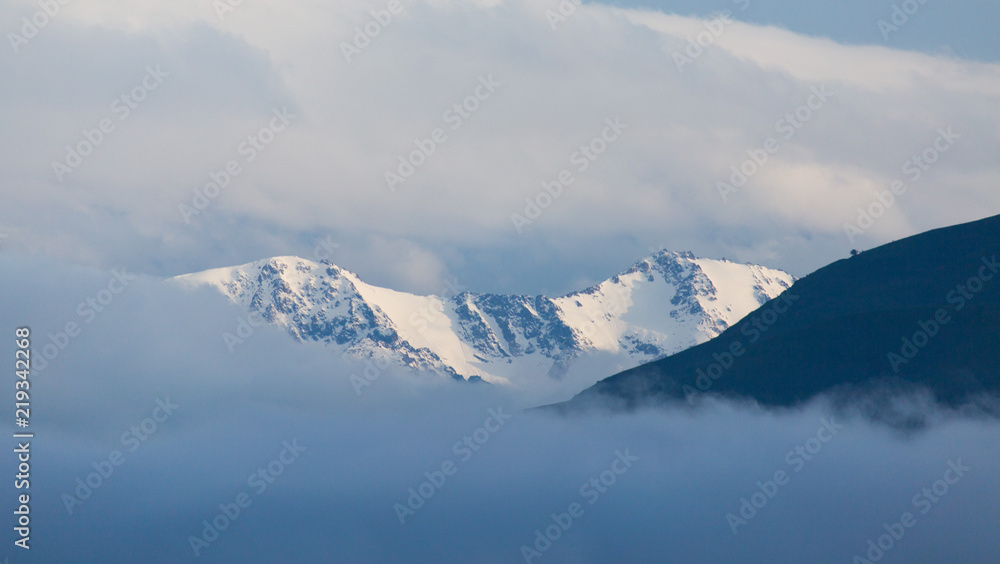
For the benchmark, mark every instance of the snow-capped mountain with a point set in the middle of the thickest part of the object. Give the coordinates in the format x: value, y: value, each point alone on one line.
x: 664, y: 303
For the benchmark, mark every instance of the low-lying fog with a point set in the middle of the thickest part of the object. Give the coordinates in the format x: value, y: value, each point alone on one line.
x: 153, y: 443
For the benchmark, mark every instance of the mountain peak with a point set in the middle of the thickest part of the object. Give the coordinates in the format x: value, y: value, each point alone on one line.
x: 918, y: 313
x: 662, y: 304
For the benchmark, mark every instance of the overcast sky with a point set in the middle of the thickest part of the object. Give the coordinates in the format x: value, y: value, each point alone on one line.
x: 688, y: 115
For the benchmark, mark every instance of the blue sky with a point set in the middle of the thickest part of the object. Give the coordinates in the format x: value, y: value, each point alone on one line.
x: 961, y: 29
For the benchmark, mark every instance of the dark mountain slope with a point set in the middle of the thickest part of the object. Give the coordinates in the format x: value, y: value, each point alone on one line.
x: 920, y: 312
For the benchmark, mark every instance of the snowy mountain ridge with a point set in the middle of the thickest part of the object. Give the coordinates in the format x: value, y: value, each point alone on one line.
x: 664, y: 303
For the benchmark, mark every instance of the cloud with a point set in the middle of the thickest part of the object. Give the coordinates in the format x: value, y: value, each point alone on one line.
x: 325, y: 174
x: 322, y: 177
x: 109, y: 386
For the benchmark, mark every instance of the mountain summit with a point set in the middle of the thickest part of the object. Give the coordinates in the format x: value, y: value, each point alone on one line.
x: 919, y: 314
x: 662, y: 304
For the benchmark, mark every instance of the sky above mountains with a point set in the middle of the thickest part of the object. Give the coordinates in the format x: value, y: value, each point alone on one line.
x: 961, y: 30
x: 501, y: 143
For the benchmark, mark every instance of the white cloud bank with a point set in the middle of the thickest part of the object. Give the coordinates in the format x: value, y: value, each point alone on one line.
x: 324, y: 174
